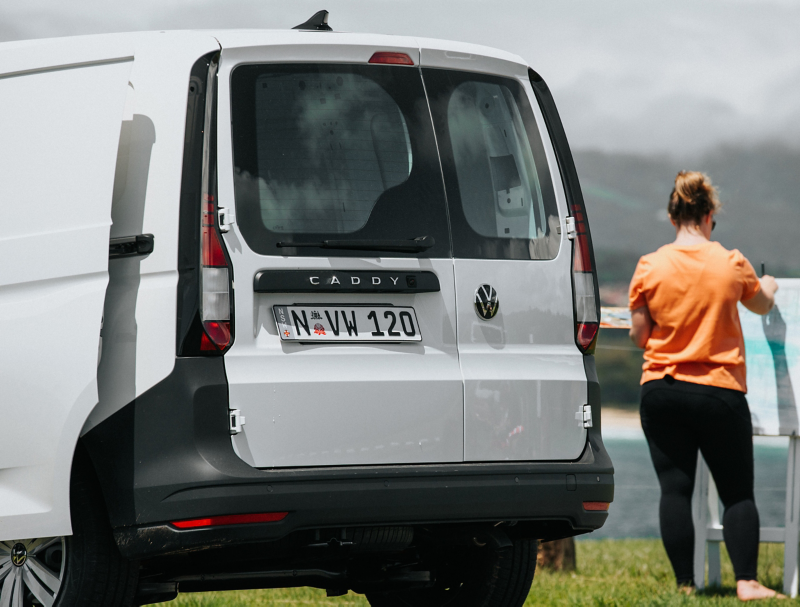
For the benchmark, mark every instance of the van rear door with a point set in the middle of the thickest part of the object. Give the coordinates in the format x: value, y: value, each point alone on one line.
x: 345, y: 332
x: 525, y: 384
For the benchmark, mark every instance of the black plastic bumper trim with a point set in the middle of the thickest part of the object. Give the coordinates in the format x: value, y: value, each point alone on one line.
x: 413, y: 498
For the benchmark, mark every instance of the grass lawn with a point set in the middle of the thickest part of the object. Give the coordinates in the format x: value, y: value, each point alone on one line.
x: 610, y: 573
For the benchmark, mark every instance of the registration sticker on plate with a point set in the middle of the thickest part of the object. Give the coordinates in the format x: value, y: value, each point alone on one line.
x: 346, y: 323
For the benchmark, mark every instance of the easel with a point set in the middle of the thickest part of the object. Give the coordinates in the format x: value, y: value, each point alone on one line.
x: 708, y: 526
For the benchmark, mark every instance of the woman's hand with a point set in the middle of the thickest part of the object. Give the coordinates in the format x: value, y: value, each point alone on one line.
x: 769, y: 285
x: 641, y: 326
x: 762, y: 302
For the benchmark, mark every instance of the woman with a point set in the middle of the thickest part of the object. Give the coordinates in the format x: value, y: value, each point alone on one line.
x: 683, y: 303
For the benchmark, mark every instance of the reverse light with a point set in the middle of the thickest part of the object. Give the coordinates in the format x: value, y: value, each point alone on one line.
x: 391, y: 58
x: 596, y: 506
x: 231, y: 519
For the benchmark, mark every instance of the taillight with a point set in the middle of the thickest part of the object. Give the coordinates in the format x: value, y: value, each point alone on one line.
x: 205, y: 319
x: 391, y: 58
x: 584, y: 280
x: 215, y: 284
x: 587, y: 321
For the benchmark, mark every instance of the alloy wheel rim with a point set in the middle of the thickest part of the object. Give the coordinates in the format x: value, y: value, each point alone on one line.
x: 31, y: 571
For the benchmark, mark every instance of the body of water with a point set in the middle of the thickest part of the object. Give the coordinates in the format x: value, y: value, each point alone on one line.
x: 634, y: 512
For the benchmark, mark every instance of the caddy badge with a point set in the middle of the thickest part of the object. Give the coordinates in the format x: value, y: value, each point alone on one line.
x: 486, y: 303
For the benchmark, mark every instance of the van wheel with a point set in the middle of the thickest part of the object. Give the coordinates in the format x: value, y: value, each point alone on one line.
x: 484, y: 577
x: 83, y: 569
x: 31, y: 571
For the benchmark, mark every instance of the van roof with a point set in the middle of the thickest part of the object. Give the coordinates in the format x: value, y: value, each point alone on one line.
x: 25, y: 55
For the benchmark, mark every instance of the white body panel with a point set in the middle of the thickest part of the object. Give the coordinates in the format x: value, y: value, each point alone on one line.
x: 524, y: 379
x: 60, y: 133
x: 524, y: 382
x: 335, y: 404
x: 65, y: 156
x: 339, y: 404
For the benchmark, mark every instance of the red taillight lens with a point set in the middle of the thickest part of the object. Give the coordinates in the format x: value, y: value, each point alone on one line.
x: 596, y: 506
x: 391, y: 58
x: 217, y: 335
x: 231, y: 519
x: 587, y: 334
x: 582, y: 262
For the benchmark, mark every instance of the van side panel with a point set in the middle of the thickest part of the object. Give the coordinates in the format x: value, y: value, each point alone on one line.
x: 139, y: 329
x: 60, y: 133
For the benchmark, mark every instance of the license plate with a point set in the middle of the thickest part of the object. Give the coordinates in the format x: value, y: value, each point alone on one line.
x: 347, y: 323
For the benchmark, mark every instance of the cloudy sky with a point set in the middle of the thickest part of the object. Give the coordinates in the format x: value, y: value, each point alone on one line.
x: 632, y: 75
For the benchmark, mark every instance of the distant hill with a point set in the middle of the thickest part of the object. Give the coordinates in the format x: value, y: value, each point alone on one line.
x: 626, y: 200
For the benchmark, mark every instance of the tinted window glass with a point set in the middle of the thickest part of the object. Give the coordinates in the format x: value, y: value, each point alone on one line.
x: 326, y: 151
x: 501, y: 197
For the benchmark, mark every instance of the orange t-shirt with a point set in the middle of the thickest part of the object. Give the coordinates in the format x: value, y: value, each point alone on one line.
x: 692, y: 292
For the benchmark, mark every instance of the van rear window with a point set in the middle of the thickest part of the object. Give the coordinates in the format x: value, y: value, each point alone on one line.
x: 322, y: 151
x: 502, y: 202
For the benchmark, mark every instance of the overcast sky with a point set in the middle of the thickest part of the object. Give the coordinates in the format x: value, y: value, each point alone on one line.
x: 633, y: 75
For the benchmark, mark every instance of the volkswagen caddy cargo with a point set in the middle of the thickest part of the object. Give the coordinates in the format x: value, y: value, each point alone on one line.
x: 290, y: 308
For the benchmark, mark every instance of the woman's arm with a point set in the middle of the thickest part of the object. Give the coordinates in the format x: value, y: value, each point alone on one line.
x: 762, y: 302
x: 641, y: 326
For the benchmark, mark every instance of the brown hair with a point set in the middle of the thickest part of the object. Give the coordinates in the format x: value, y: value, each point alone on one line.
x: 692, y: 198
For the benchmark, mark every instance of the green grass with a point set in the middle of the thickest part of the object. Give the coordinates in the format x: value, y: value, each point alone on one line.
x: 610, y: 573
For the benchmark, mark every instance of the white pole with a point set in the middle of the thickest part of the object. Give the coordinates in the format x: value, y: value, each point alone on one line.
x: 790, y: 565
x: 714, y: 564
x: 700, y: 519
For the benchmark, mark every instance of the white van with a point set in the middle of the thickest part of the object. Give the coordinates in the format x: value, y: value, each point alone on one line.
x: 289, y: 308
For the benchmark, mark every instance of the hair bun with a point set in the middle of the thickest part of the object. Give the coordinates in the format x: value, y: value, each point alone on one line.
x: 692, y: 198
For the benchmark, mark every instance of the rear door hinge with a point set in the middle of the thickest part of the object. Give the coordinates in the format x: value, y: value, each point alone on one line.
x: 571, y: 229
x: 227, y: 217
x: 587, y: 416
x: 236, y: 421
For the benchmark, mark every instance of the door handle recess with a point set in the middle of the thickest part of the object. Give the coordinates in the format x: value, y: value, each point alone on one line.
x: 130, y: 246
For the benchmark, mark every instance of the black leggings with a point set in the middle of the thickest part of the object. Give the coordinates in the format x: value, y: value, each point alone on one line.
x: 679, y: 418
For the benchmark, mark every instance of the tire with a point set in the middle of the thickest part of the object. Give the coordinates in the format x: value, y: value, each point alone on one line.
x: 84, y: 569
x: 486, y: 577
x: 96, y: 573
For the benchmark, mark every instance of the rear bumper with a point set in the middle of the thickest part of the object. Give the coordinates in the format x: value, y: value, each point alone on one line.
x: 168, y: 457
x: 384, y: 496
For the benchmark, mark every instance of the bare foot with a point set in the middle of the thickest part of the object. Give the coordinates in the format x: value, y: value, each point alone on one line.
x: 687, y: 590
x: 751, y: 590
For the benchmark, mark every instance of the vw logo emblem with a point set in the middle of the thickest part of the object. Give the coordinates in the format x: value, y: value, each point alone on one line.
x: 19, y: 555
x: 486, y: 303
